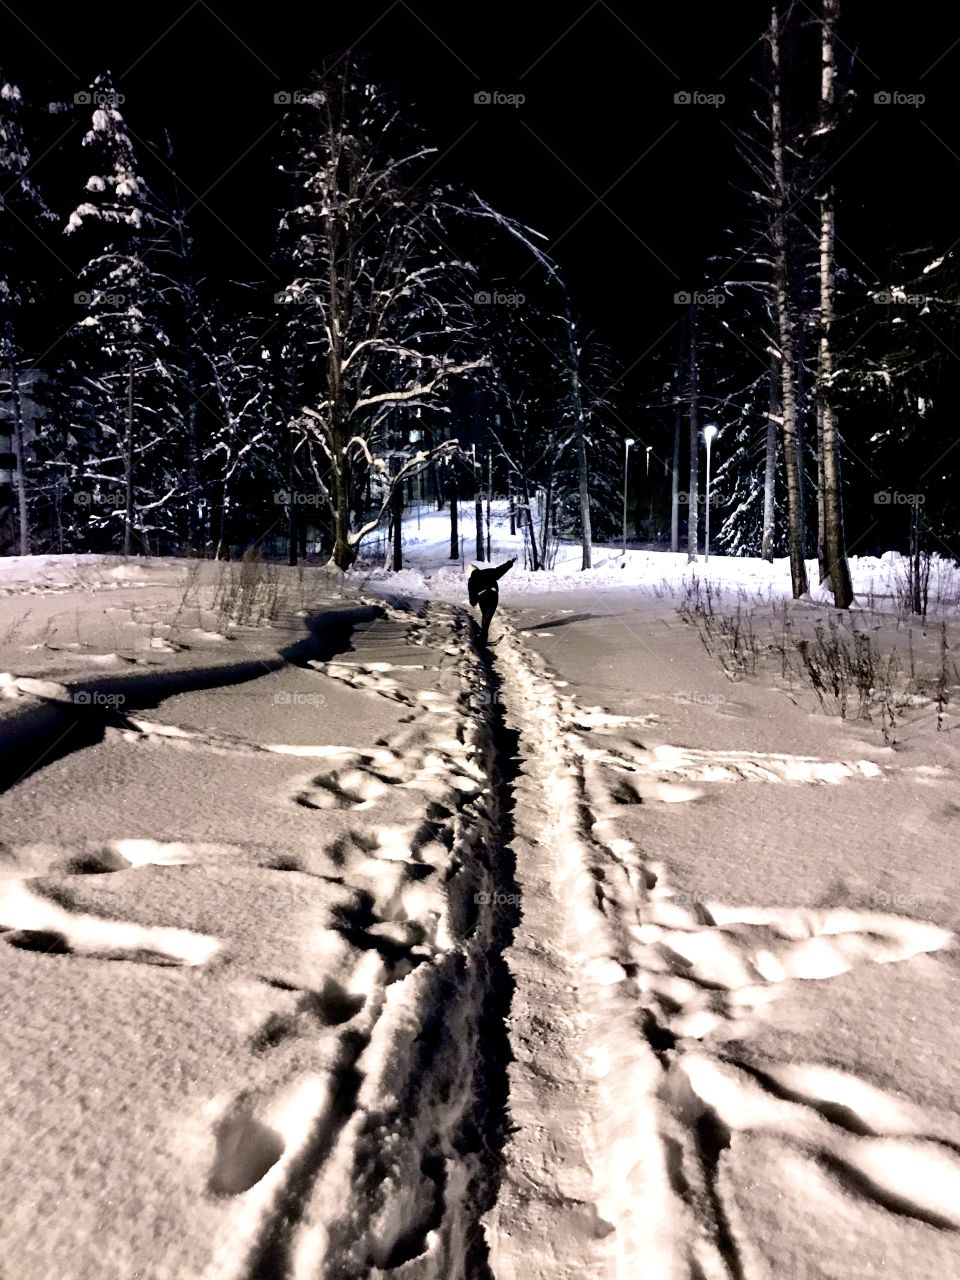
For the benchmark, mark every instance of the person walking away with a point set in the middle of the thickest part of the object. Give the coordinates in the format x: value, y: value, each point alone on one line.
x: 484, y: 593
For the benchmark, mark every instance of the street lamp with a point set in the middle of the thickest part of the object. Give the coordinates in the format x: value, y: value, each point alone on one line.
x: 708, y: 434
x: 626, y: 455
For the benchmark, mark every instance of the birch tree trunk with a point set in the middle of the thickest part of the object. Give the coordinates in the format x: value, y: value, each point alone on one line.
x: 489, y: 498
x: 693, y: 415
x: 770, y: 467
x: 837, y: 568
x: 452, y: 498
x: 128, y: 467
x: 526, y: 515
x: 19, y: 443
x: 785, y: 324
x: 677, y: 422
x: 586, y: 531
x: 478, y: 505
x: 821, y: 489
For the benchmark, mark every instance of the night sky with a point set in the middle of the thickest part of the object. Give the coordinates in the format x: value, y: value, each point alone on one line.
x: 632, y: 190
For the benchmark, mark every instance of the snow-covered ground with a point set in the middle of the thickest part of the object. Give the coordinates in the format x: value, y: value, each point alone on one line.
x: 333, y: 946
x: 877, y: 580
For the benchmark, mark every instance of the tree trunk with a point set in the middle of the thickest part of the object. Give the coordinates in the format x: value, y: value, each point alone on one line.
x: 547, y: 514
x: 190, y: 338
x: 343, y: 553
x: 396, y: 510
x: 293, y: 512
x: 489, y: 499
x: 128, y: 467
x: 770, y: 468
x: 527, y: 515
x: 675, y: 475
x: 478, y: 505
x: 586, y: 531
x: 838, y: 570
x: 452, y: 496
x: 19, y: 443
x: 693, y: 414
x: 791, y: 461
x: 193, y: 469
x: 822, y: 565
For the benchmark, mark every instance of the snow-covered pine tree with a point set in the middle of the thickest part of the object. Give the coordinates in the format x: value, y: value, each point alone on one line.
x: 122, y: 426
x: 173, y: 258
x: 242, y: 475
x: 900, y: 395
x: 22, y: 209
x: 738, y: 346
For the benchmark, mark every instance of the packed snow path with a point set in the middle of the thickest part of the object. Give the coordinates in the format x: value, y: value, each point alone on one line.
x: 633, y: 1172
x: 401, y: 995
x: 304, y: 1074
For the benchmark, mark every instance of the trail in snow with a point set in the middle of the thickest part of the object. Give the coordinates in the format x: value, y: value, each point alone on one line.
x: 460, y: 878
x: 657, y: 970
x: 379, y: 1157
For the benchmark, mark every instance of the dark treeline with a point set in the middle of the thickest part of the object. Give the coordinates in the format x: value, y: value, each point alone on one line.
x: 407, y: 338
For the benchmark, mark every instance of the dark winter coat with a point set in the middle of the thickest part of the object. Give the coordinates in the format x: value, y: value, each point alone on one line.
x: 483, y: 591
x: 482, y: 584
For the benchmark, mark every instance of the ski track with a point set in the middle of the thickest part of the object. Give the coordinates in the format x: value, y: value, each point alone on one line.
x: 388, y: 1161
x: 379, y: 1165
x: 656, y: 974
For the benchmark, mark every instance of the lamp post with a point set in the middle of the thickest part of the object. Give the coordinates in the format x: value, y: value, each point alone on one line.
x: 626, y: 456
x: 708, y: 434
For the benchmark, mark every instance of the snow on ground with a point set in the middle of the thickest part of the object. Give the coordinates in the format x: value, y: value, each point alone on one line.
x: 334, y: 947
x: 246, y: 966
x: 428, y: 569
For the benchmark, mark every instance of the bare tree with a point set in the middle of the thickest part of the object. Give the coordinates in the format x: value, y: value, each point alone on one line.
x: 785, y: 316
x: 383, y: 304
x: 677, y: 425
x: 693, y: 417
x: 834, y: 559
x: 770, y: 462
x: 573, y: 353
x: 20, y: 205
